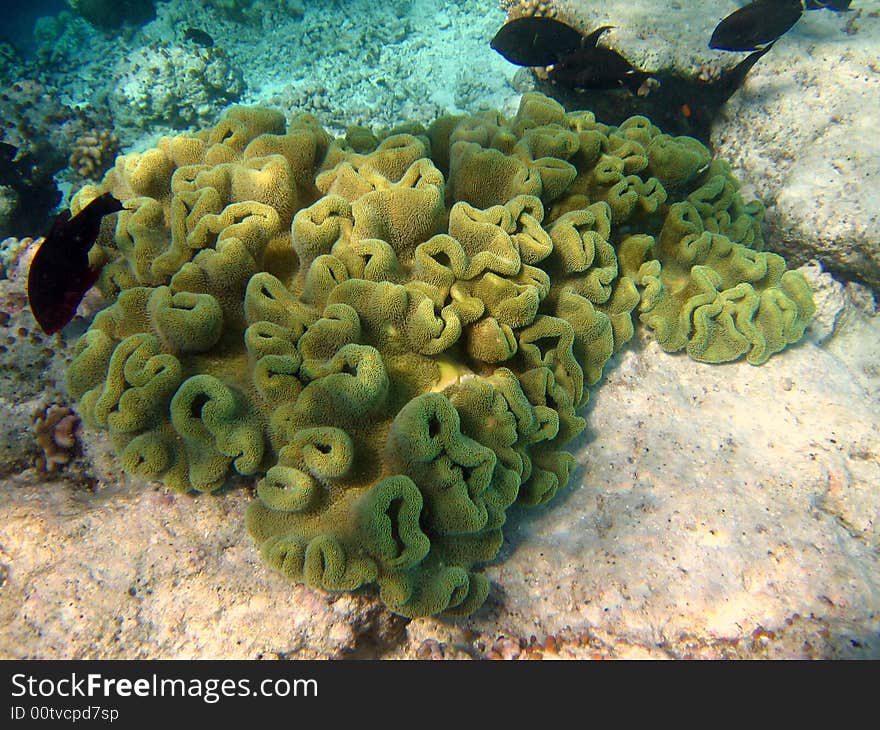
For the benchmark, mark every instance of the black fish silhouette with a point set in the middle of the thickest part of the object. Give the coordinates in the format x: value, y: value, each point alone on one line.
x: 594, y: 67
x: 730, y: 81
x: 198, y: 36
x: 8, y: 172
x: 835, y: 6
x: 536, y: 41
x: 60, y: 276
x: 756, y: 24
x: 680, y: 104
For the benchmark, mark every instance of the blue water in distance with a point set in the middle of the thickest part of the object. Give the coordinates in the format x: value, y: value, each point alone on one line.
x: 19, y: 17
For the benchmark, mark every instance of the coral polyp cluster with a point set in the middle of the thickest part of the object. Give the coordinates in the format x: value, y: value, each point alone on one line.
x: 393, y: 337
x: 92, y: 153
x: 55, y: 431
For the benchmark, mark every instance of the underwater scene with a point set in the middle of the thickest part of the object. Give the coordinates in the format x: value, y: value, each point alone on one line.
x: 439, y: 329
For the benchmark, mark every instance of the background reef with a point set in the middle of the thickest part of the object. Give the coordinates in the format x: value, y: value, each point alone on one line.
x: 611, y: 611
x: 788, y: 133
x: 796, y: 130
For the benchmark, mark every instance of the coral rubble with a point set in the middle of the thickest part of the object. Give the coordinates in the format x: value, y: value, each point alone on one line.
x: 177, y: 85
x: 55, y: 431
x: 31, y: 364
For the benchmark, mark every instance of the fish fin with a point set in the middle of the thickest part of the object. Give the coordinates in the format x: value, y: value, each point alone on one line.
x: 730, y: 82
x: 55, y: 314
x: 746, y: 64
x: 90, y: 278
x: 104, y: 204
x: 592, y: 40
x: 58, y: 226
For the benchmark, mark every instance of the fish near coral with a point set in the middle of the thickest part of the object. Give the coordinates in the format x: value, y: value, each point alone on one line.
x: 536, y: 41
x: 60, y: 274
x: 8, y: 172
x: 595, y: 67
x: 578, y: 61
x: 419, y: 369
x: 198, y: 36
x: 756, y: 24
x: 731, y: 80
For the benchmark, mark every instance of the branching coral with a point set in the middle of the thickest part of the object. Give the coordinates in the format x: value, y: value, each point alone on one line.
x: 394, y: 336
x: 93, y: 152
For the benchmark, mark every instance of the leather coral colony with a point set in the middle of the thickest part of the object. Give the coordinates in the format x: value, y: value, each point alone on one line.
x: 394, y: 336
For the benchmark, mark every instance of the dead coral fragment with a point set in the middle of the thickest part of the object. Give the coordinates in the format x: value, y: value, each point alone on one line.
x: 528, y: 8
x: 56, y: 430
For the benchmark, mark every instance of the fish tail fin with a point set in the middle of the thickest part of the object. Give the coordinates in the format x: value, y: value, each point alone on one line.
x: 753, y: 58
x: 591, y: 40
x: 731, y: 81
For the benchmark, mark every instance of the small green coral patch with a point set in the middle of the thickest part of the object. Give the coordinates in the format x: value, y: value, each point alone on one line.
x: 718, y: 299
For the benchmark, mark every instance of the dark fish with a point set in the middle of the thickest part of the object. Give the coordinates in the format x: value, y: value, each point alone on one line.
x: 680, y: 104
x: 8, y: 172
x: 756, y: 24
x: 59, y: 275
x: 536, y: 41
x: 835, y: 6
x: 730, y: 81
x: 198, y: 36
x: 596, y: 67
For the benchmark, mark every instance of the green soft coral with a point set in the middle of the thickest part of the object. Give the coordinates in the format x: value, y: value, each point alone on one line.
x: 393, y: 336
x: 705, y: 293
